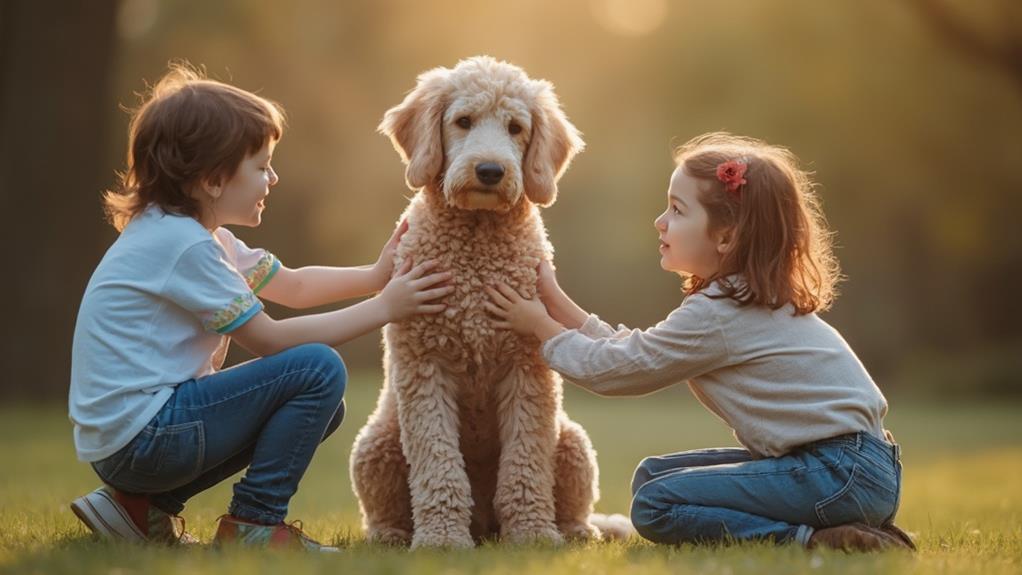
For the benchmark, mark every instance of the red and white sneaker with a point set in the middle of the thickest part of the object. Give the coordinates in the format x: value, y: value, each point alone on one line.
x: 113, y: 514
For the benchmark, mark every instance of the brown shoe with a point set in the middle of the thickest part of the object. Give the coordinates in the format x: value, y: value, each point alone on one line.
x: 854, y: 537
x: 898, y: 533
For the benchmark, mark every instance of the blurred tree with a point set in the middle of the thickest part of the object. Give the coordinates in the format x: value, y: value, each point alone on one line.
x: 1001, y: 48
x: 55, y: 67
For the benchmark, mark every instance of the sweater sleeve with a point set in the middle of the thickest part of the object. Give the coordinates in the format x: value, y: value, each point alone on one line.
x: 595, y: 357
x: 595, y: 328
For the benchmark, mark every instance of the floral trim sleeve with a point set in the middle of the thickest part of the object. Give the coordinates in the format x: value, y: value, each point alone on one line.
x: 259, y: 275
x: 257, y: 266
x: 240, y: 310
x: 206, y: 283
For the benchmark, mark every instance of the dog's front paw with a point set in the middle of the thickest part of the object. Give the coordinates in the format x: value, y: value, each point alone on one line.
x: 614, y: 527
x: 542, y: 533
x: 388, y: 536
x: 442, y: 538
x: 581, y: 531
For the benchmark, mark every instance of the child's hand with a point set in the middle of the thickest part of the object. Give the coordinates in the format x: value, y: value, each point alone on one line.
x: 523, y: 316
x: 410, y: 292
x: 546, y: 283
x: 384, y: 266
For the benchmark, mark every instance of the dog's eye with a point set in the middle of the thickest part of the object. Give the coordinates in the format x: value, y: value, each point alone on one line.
x: 514, y: 128
x: 464, y: 122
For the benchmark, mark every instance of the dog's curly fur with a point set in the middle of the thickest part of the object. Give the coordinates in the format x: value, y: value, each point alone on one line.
x: 469, y: 439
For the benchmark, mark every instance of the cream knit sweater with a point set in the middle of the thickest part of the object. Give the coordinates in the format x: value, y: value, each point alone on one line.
x: 778, y: 380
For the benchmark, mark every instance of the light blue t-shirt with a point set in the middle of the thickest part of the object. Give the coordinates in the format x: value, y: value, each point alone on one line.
x: 155, y: 314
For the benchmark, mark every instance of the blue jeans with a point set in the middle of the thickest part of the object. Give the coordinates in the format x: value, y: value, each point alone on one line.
x: 268, y: 414
x: 724, y: 494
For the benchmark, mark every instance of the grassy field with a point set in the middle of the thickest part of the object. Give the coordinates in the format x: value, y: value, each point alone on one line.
x: 962, y: 498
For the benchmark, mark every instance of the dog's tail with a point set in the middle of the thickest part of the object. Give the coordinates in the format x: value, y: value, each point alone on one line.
x: 615, y: 527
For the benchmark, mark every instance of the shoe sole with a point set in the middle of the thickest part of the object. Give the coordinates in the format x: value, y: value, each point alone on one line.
x: 105, y: 517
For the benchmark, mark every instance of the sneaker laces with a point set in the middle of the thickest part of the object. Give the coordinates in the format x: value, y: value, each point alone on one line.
x: 183, y: 537
x: 297, y: 527
x: 178, y: 533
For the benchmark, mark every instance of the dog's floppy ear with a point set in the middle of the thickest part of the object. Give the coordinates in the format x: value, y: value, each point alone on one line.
x: 553, y: 144
x: 414, y: 128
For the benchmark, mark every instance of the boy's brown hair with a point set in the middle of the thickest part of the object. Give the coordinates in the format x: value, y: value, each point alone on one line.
x: 780, y: 242
x: 189, y: 129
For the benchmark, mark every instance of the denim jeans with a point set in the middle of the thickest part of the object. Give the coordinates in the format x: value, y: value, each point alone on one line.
x: 724, y: 494
x: 268, y: 415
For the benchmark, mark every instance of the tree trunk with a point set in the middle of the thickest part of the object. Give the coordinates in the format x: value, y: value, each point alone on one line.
x: 56, y: 60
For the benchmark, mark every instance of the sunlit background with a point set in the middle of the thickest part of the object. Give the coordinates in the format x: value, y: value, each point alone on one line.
x: 909, y: 113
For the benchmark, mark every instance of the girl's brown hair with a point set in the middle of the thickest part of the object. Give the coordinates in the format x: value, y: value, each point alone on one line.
x: 188, y: 129
x: 780, y: 243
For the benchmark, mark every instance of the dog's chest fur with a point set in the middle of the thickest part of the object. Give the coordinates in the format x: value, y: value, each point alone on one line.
x: 481, y: 249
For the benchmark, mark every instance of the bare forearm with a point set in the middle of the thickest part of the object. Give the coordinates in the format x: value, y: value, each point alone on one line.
x: 321, y: 285
x: 263, y: 335
x: 546, y: 328
x: 335, y: 327
x: 408, y: 293
x: 564, y: 310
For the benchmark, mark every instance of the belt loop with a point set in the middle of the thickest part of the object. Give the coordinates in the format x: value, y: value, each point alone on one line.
x: 858, y: 440
x: 895, y: 447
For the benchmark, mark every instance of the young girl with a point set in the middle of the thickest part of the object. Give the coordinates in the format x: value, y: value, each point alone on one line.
x: 153, y: 411
x: 744, y: 228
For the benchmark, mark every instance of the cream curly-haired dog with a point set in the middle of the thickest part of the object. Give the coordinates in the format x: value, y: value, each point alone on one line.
x: 469, y: 439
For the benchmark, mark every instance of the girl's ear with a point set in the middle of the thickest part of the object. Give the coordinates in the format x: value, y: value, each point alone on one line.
x: 414, y: 127
x: 554, y: 142
x: 725, y: 240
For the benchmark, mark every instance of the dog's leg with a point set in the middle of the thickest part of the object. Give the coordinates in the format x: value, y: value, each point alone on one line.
x: 379, y: 476
x: 441, y: 496
x: 576, y: 481
x: 529, y: 399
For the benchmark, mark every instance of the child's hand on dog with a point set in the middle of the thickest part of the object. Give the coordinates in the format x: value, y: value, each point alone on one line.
x: 410, y: 292
x: 519, y: 314
x: 383, y: 269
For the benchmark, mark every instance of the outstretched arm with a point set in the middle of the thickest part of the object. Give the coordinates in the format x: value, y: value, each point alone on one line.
x: 636, y: 362
x: 313, y: 286
x: 409, y: 293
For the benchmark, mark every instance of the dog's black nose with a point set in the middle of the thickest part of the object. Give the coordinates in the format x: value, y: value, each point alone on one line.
x: 489, y: 173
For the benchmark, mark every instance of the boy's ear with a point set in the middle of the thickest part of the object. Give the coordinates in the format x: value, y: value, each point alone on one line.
x: 210, y: 187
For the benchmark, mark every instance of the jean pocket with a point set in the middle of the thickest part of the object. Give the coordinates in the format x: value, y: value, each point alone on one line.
x: 861, y: 499
x: 174, y: 453
x: 843, y: 506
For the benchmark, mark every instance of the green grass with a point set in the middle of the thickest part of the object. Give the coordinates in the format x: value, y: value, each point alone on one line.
x: 962, y: 497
